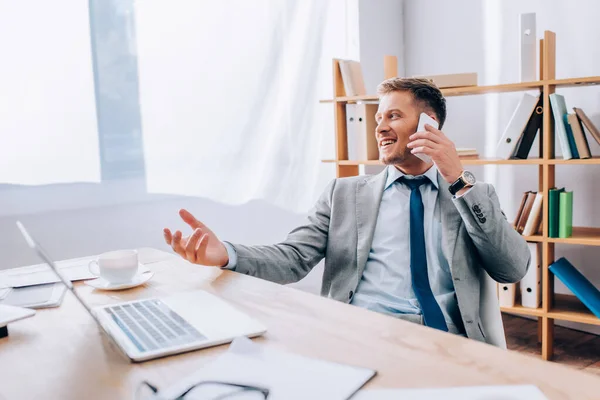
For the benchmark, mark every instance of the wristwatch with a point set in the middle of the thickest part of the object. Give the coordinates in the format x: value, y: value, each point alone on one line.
x: 466, y: 179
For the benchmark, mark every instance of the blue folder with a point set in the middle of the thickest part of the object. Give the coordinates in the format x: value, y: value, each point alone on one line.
x: 578, y: 284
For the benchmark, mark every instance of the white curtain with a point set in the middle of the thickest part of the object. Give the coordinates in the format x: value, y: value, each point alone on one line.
x: 229, y: 95
x: 48, y: 128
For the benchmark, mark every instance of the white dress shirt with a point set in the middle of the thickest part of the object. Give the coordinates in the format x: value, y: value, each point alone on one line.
x: 386, y: 284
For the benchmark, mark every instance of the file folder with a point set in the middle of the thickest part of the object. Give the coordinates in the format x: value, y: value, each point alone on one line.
x: 531, y: 284
x: 507, y: 294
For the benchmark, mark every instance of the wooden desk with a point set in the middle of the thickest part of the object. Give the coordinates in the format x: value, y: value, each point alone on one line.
x: 61, y: 354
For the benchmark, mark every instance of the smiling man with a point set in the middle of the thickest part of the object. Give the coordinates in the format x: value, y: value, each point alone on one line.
x: 410, y: 242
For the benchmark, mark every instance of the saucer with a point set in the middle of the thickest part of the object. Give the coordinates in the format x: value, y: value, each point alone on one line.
x: 102, y: 284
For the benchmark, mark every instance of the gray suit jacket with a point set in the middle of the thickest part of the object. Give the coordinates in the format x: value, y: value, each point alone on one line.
x: 475, y: 234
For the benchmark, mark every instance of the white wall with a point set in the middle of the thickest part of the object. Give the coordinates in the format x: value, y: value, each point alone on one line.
x: 482, y: 37
x: 381, y: 33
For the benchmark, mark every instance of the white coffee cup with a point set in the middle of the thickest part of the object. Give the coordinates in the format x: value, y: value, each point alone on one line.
x: 116, y: 266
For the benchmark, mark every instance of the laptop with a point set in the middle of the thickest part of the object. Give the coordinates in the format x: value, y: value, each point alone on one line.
x: 158, y: 327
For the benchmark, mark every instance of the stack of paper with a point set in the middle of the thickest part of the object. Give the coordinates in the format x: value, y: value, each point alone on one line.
x: 286, y: 376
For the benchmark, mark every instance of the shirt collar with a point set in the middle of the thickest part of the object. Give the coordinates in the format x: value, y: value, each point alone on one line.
x: 394, y: 173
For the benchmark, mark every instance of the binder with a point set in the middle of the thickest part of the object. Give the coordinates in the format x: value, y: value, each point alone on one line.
x: 360, y: 130
x: 527, y: 47
x: 516, y: 126
x: 578, y: 284
x: 507, y: 294
x: 565, y: 215
x: 531, y: 284
x: 559, y: 108
x: 535, y: 123
x: 351, y: 132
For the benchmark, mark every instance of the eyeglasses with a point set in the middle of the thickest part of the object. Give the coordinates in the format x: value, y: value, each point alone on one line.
x: 209, y: 390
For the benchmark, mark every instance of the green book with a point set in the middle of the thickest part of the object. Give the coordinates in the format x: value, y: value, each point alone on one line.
x: 553, y: 200
x: 565, y: 215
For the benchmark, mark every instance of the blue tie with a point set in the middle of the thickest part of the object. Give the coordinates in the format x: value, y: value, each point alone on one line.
x: 432, y: 314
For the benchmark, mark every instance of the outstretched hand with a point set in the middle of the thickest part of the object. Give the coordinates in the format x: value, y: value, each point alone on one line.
x: 201, y: 247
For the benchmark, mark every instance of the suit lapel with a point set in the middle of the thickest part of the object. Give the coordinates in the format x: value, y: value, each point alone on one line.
x: 368, y: 199
x: 451, y: 220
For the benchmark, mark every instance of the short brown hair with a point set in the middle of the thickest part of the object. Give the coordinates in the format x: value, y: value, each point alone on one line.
x: 425, y: 93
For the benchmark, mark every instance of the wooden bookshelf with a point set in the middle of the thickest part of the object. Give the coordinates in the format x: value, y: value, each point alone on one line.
x: 465, y: 161
x: 595, y: 160
x: 581, y: 236
x: 554, y: 306
x: 569, y: 308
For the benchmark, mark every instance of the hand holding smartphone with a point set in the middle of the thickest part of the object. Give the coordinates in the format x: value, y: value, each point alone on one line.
x: 425, y: 119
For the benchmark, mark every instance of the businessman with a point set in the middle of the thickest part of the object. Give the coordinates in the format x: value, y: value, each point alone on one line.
x: 410, y: 242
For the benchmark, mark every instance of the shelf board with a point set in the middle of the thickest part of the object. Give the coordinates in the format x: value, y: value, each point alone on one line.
x: 474, y: 90
x: 581, y: 235
x: 534, y: 238
x: 595, y: 160
x: 501, y: 161
x: 520, y: 310
x: 569, y: 308
x: 572, y: 82
x: 465, y: 161
x: 504, y: 88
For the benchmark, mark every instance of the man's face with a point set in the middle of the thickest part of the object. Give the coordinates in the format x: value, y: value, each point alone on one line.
x: 397, y: 119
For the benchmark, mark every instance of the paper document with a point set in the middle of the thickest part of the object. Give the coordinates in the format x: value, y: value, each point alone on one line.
x: 509, y: 392
x: 286, y: 376
x: 38, y: 296
x: 4, y: 292
x: 39, y: 274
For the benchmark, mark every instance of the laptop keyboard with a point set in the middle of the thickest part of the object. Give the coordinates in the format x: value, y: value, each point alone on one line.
x: 152, y: 325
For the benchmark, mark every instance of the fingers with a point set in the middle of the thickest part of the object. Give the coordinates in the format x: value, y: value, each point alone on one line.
x: 168, y: 236
x: 427, y: 135
x: 435, y: 131
x: 425, y: 150
x: 189, y: 219
x: 177, y: 245
x: 190, y: 247
x: 201, y: 247
x: 423, y: 143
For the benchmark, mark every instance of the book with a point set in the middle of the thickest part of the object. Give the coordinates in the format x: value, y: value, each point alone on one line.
x: 570, y: 137
x: 532, y: 225
x: 352, y: 77
x: 588, y: 124
x: 578, y: 284
x: 516, y: 126
x: 565, y: 214
x: 520, y: 210
x: 526, y: 211
x: 535, y: 123
x: 559, y: 109
x: 553, y: 201
x: 583, y: 147
x: 464, y: 152
x: 451, y: 80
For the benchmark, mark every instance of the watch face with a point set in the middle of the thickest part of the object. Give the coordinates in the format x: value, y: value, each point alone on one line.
x: 469, y: 178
